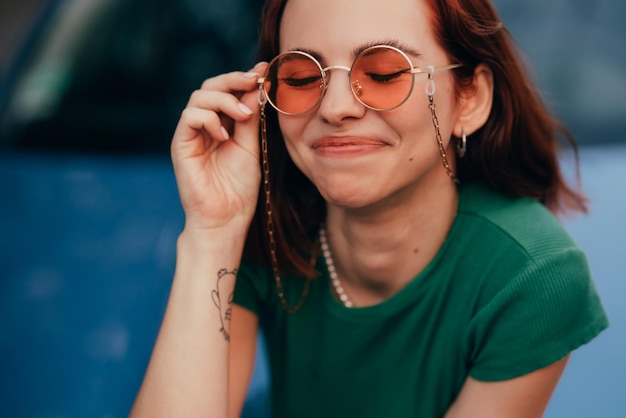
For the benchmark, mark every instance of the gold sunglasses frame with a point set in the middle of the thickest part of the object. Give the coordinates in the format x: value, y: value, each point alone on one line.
x: 324, y: 71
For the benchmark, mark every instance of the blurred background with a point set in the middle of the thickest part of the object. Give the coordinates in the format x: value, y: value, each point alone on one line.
x: 90, y: 93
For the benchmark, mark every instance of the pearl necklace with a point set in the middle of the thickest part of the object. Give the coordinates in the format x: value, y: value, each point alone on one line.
x: 334, y: 279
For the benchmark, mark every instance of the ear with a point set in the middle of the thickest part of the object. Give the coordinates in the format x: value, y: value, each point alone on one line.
x: 475, y: 102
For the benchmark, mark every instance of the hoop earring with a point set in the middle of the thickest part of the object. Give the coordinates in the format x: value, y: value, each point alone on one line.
x: 461, y: 146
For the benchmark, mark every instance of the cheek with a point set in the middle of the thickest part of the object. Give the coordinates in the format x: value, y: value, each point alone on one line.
x: 292, y: 128
x: 415, y: 124
x: 414, y: 118
x: 444, y: 114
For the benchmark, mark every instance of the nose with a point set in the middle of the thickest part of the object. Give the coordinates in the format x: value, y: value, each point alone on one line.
x: 339, y: 101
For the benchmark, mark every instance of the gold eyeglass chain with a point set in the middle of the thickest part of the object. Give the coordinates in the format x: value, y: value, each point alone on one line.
x: 430, y: 91
x: 270, y: 221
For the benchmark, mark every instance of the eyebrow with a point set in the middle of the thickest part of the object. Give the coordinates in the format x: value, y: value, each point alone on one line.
x: 409, y: 50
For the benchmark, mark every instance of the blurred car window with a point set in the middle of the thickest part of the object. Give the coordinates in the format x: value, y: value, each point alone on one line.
x: 113, y: 75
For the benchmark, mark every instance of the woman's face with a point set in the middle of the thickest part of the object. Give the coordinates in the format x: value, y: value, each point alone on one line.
x: 358, y: 157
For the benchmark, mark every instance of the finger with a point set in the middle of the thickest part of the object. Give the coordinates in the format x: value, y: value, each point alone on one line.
x: 226, y: 106
x: 221, y: 103
x: 198, y: 133
x: 246, y: 131
x: 234, y: 81
x: 196, y: 122
x: 212, y: 114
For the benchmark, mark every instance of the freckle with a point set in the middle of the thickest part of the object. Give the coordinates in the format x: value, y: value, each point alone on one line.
x: 411, y: 159
x: 415, y: 251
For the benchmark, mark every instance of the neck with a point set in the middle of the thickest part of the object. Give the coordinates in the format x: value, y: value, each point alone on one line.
x: 377, y: 251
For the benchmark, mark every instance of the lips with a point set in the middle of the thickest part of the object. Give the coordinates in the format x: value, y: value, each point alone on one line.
x: 347, y: 145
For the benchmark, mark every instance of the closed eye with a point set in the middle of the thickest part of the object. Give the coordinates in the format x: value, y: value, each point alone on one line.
x: 384, y: 78
x: 300, y: 82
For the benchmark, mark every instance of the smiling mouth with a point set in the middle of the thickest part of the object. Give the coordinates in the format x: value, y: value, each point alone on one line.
x: 347, y: 146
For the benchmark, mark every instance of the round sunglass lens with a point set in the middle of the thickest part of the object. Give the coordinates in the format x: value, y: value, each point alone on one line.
x: 294, y: 83
x: 381, y: 78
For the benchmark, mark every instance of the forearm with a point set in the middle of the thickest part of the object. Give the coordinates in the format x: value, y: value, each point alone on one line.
x: 522, y: 397
x: 188, y: 372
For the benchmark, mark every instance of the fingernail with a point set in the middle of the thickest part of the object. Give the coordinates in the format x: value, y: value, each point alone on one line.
x: 245, y: 109
x: 254, y: 74
x: 225, y: 133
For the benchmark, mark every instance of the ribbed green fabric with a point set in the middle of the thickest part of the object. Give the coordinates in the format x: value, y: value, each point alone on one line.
x: 508, y: 293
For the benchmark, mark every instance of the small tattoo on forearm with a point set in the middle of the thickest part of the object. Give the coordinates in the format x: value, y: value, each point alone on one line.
x: 224, y: 305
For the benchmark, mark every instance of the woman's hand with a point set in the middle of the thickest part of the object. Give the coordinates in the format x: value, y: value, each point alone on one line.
x: 215, y: 151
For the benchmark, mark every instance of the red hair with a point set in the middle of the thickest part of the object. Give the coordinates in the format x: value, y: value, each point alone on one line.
x: 515, y: 152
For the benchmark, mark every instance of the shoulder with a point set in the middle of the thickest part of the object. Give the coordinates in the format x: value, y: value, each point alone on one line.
x: 533, y: 297
x: 506, y: 241
x: 521, y: 223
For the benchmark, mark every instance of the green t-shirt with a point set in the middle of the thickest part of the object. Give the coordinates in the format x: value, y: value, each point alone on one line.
x: 508, y: 293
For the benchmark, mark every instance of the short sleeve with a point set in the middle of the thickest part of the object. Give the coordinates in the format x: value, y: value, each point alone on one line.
x: 549, y: 308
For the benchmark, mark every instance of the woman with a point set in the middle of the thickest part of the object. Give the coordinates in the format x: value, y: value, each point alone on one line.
x: 400, y: 253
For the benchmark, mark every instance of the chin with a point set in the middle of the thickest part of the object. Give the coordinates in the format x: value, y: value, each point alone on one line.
x: 350, y: 197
